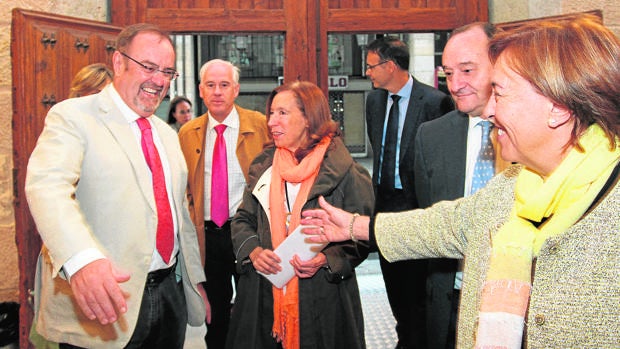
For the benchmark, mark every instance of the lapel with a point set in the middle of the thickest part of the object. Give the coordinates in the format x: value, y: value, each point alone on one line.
x: 261, y: 191
x: 244, y: 127
x: 197, y: 139
x: 412, y: 119
x: 458, y: 155
x: 113, y: 120
x: 380, y: 109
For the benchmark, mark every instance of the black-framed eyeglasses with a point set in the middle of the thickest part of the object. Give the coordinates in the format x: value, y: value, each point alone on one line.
x: 151, y: 69
x: 373, y: 66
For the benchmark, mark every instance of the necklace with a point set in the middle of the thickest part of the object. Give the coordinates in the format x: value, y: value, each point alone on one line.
x: 288, y: 207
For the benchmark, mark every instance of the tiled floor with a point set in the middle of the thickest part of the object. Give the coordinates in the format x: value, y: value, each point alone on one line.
x: 378, y: 320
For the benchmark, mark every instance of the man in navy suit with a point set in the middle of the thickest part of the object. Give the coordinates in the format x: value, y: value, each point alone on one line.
x: 445, y: 155
x: 388, y: 65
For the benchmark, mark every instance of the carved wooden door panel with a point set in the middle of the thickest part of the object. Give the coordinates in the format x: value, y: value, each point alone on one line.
x: 46, y: 52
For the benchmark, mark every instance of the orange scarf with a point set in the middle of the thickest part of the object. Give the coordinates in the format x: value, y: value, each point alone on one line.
x: 286, y: 169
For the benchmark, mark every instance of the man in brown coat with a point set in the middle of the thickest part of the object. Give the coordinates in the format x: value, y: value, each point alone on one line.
x: 245, y: 134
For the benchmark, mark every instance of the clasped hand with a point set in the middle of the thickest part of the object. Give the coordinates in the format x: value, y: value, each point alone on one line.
x: 267, y: 262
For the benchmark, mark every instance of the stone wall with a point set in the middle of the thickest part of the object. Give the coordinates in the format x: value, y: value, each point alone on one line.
x: 499, y: 11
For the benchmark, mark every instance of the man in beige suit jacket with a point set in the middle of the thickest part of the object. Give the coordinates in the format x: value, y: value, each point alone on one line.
x: 101, y: 282
x: 246, y: 133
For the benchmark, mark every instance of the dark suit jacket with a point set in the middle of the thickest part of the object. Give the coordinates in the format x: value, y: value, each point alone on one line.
x: 440, y: 162
x: 425, y: 103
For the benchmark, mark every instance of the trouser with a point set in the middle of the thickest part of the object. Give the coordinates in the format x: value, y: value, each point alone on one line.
x: 162, y: 320
x: 405, y: 281
x: 405, y: 285
x: 219, y: 270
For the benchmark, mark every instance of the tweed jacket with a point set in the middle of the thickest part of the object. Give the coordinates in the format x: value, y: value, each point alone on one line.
x: 253, y: 134
x: 88, y: 186
x: 575, y: 297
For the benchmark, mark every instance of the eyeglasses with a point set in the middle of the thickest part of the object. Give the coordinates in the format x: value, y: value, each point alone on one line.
x: 373, y: 66
x: 151, y: 69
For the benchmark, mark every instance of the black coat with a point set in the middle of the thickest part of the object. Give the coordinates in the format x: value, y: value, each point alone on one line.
x: 440, y: 162
x: 425, y: 103
x: 329, y: 302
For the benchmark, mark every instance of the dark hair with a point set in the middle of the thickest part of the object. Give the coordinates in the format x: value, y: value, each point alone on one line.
x: 575, y: 63
x: 489, y: 29
x: 126, y: 36
x: 314, y: 106
x: 173, y: 107
x: 391, y: 48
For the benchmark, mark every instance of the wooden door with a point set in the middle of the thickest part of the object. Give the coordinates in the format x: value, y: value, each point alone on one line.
x: 46, y: 52
x: 304, y: 23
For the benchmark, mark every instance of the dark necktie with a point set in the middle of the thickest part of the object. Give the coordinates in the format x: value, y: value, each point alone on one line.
x: 165, y: 227
x: 219, y: 179
x: 388, y: 164
x: 485, y: 163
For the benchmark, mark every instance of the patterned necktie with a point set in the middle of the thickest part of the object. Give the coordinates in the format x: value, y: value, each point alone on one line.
x: 485, y: 164
x: 165, y: 227
x: 219, y: 179
x: 388, y: 164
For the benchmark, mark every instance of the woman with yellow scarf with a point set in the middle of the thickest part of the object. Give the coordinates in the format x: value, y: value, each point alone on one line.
x: 541, y: 242
x: 320, y: 306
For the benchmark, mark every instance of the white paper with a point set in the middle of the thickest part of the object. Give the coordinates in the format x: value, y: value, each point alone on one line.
x: 295, y: 244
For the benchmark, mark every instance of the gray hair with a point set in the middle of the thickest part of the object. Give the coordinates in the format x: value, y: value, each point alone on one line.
x: 235, y: 70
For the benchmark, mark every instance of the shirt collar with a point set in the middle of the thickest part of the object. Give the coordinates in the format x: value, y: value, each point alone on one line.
x: 231, y: 120
x: 405, y: 91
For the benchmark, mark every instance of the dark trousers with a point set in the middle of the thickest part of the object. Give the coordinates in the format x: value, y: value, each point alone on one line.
x: 162, y: 320
x: 454, y: 313
x: 405, y: 282
x: 219, y: 270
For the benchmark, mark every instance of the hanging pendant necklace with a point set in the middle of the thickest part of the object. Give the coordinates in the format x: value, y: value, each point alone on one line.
x: 288, y: 207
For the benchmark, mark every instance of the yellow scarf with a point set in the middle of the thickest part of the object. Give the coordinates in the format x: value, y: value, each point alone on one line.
x: 559, y: 201
x: 286, y: 169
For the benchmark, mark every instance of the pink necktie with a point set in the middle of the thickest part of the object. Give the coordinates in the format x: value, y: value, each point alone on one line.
x: 219, y: 179
x: 165, y: 227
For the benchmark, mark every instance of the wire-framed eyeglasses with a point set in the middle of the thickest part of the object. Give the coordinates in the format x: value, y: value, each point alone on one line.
x: 151, y: 69
x: 373, y: 66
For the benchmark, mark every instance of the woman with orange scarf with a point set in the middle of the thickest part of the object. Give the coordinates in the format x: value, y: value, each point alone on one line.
x: 320, y: 306
x: 541, y: 242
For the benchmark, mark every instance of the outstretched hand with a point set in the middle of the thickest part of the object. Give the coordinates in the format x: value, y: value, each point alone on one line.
x: 97, y: 291
x: 327, y: 224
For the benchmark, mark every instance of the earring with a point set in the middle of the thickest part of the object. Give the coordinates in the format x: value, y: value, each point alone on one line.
x: 552, y: 122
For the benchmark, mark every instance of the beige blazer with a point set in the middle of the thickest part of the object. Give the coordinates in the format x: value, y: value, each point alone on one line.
x: 88, y: 186
x: 253, y: 135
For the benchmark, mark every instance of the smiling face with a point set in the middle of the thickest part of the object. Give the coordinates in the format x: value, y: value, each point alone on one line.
x: 468, y: 70
x: 532, y: 130
x: 286, y: 122
x: 141, y: 91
